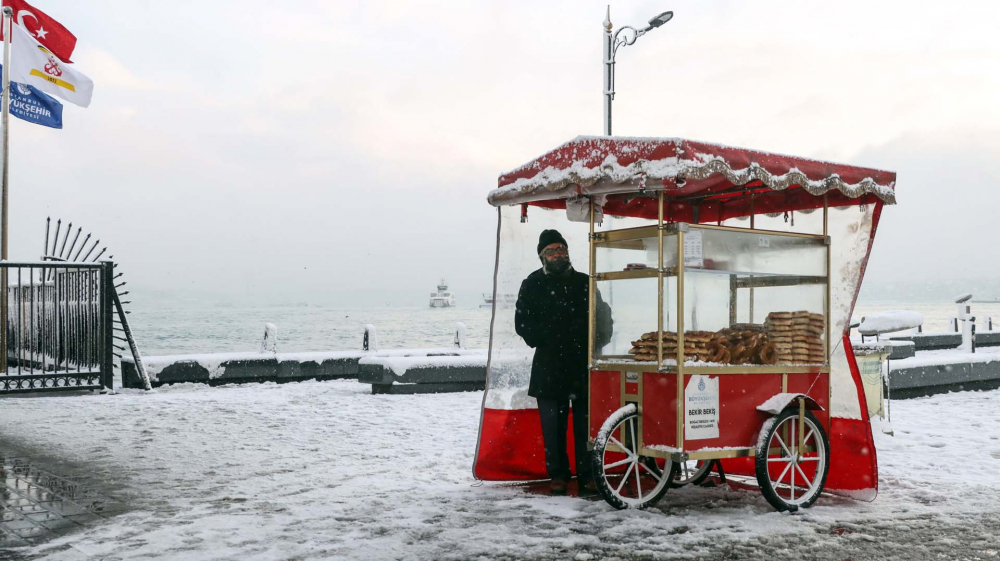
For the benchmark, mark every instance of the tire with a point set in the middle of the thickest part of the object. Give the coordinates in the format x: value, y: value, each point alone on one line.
x: 778, y: 463
x: 642, y: 483
x: 691, y: 472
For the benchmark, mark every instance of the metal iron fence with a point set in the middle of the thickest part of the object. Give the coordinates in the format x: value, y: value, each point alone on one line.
x: 59, y: 326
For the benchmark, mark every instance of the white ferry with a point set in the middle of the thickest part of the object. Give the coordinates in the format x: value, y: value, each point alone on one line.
x: 443, y: 298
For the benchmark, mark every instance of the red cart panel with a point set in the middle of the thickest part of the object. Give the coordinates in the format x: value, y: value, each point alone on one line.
x: 739, y: 420
x: 816, y: 386
x: 605, y: 397
x: 659, y: 409
x: 739, y: 396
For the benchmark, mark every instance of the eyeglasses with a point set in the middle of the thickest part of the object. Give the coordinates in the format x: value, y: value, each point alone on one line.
x: 555, y: 251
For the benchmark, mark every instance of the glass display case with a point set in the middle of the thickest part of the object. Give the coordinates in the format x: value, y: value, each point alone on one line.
x: 712, y: 297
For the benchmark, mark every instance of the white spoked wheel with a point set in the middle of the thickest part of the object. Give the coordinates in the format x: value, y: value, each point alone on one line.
x: 791, y: 474
x: 691, y: 472
x: 624, y: 478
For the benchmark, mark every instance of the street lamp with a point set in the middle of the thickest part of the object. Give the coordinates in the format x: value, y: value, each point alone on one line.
x: 611, y: 43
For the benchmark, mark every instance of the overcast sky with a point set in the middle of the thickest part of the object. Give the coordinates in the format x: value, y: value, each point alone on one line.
x: 341, y: 152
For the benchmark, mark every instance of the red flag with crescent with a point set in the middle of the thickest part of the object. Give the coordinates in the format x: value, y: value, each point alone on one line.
x: 46, y: 30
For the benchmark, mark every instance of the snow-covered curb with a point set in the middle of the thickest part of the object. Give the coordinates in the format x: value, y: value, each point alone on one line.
x: 400, y: 365
x: 948, y: 357
x: 215, y: 363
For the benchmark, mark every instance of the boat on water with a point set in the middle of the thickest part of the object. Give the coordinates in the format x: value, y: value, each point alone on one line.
x: 505, y: 300
x: 443, y: 298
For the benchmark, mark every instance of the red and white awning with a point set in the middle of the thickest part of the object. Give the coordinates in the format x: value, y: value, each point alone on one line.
x: 683, y: 169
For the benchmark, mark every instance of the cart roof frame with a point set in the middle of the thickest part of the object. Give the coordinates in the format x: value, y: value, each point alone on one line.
x: 701, y: 182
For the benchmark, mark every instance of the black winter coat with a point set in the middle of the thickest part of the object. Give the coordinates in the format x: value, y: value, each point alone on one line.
x: 551, y: 316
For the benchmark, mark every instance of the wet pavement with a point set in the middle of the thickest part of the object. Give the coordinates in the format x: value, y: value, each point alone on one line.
x: 325, y: 470
x: 37, y: 505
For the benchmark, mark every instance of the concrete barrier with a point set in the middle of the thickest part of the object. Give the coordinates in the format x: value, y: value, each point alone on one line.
x: 430, y: 374
x: 408, y: 371
x: 938, y: 341
x: 942, y: 372
x: 258, y: 368
x: 443, y: 369
x: 241, y: 367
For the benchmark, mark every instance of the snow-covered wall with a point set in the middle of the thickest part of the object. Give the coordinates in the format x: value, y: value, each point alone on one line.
x: 212, y: 368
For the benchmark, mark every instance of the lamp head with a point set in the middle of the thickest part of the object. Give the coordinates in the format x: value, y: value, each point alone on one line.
x: 660, y: 20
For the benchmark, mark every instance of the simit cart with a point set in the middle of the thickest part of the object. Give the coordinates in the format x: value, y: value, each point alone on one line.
x: 731, y: 276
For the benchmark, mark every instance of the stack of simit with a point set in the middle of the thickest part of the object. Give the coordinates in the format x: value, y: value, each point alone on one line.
x: 798, y: 336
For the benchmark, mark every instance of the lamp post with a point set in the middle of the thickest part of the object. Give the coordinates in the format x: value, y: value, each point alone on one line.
x: 626, y: 35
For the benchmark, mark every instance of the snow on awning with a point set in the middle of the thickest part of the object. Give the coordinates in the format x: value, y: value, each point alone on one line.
x: 683, y: 169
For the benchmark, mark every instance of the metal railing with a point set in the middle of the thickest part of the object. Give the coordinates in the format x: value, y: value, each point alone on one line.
x: 59, y: 326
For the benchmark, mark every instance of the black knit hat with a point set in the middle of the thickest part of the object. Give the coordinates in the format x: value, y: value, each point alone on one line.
x: 550, y: 237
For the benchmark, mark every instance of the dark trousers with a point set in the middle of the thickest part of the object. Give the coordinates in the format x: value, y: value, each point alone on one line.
x: 554, y: 414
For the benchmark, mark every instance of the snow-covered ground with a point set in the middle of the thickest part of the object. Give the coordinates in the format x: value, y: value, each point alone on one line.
x: 319, y: 470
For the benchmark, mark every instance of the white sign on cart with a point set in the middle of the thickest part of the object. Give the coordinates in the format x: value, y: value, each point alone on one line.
x: 701, y: 408
x: 693, y: 255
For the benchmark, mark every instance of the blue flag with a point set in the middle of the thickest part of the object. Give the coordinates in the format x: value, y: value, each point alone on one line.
x: 29, y: 104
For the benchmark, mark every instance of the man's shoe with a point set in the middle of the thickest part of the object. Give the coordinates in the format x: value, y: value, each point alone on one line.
x: 590, y: 487
x: 558, y: 486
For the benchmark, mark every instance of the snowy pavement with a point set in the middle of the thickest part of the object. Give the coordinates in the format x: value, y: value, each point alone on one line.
x: 319, y: 470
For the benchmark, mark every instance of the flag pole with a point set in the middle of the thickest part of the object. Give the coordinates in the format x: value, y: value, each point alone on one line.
x: 8, y: 15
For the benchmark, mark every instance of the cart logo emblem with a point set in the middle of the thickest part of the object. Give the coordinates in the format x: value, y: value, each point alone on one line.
x: 701, y: 385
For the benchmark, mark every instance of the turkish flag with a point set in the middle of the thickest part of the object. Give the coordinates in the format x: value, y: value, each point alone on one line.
x: 46, y: 30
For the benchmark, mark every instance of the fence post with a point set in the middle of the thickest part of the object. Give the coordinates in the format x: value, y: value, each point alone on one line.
x: 108, y: 319
x: 136, y: 356
x: 3, y: 315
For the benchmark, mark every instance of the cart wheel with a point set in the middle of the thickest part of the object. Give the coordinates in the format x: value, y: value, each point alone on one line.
x: 691, y: 472
x: 790, y: 477
x: 624, y: 478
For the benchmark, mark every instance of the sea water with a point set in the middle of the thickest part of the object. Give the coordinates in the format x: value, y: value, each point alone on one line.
x: 162, y: 329
x: 191, y: 328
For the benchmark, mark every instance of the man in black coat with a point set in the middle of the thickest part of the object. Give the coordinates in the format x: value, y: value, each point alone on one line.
x: 552, y: 315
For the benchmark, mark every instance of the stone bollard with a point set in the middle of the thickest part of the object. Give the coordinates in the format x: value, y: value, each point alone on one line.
x: 270, y: 342
x: 460, y: 335
x: 370, y: 340
x: 965, y: 321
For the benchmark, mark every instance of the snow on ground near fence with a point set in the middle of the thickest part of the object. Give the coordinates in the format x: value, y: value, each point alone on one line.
x: 326, y: 470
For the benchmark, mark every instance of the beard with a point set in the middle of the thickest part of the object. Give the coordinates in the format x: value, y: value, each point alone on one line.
x: 556, y: 266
